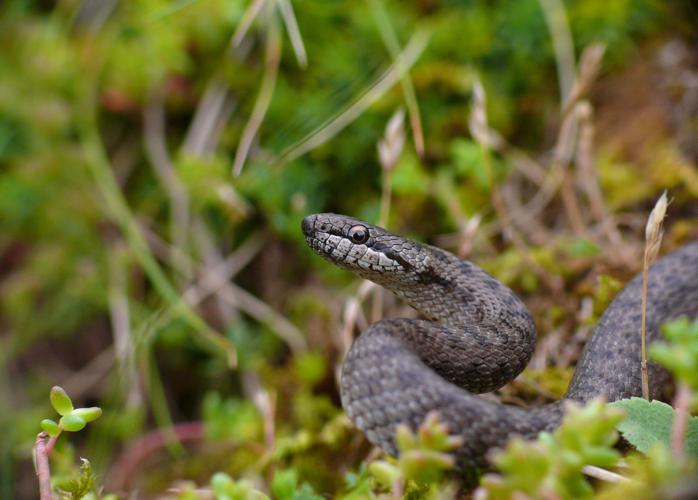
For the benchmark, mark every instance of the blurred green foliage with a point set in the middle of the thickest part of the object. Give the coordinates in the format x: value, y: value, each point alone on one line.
x: 99, y: 248
x: 552, y: 464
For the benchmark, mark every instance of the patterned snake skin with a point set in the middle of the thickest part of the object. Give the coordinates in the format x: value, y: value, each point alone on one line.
x: 478, y: 336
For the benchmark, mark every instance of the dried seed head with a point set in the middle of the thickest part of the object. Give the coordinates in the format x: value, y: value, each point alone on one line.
x: 478, y: 115
x: 654, y: 230
x: 390, y: 147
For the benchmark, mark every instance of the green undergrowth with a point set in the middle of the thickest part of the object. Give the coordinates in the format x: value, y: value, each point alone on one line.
x: 148, y: 279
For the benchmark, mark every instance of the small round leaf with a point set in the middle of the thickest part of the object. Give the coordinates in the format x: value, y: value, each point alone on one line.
x: 61, y: 401
x: 88, y: 414
x: 50, y: 427
x: 72, y: 423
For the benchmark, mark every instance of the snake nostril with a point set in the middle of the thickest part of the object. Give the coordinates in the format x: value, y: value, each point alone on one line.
x: 308, y: 225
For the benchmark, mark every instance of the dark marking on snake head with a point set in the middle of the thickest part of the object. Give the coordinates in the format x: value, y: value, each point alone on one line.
x: 392, y: 254
x: 429, y: 276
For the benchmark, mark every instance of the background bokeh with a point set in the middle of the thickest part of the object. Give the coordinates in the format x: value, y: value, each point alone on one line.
x: 157, y: 157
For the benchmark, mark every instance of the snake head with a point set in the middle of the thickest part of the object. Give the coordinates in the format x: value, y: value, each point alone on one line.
x: 367, y: 250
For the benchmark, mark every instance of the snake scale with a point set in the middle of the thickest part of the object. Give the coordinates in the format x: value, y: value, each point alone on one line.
x: 476, y: 337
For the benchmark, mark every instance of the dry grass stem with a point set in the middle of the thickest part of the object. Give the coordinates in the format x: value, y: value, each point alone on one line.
x: 351, y: 317
x: 266, y: 91
x: 247, y: 19
x: 587, y: 175
x: 653, y: 240
x: 214, y: 110
x: 99, y: 367
x: 156, y: 150
x: 480, y: 132
x: 294, y: 33
x: 563, y: 46
x: 603, y: 474
x: 120, y: 317
x: 389, y: 150
x: 224, y: 271
x: 589, y: 66
x: 265, y: 404
x: 377, y: 89
x: 385, y: 28
x: 233, y: 295
x: 467, y: 230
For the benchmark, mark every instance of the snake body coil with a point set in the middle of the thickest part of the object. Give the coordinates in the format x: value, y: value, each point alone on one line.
x: 478, y: 336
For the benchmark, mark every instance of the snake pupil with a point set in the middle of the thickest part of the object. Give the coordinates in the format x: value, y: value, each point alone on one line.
x: 358, y: 234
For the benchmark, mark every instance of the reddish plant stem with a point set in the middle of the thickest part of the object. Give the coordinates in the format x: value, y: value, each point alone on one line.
x: 681, y: 403
x: 51, y: 443
x: 131, y: 459
x: 41, y: 465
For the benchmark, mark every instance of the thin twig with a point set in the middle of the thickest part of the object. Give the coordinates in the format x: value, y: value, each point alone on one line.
x: 41, y: 465
x: 653, y: 240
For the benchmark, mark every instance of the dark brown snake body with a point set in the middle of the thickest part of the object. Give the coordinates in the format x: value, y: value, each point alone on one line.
x: 478, y: 336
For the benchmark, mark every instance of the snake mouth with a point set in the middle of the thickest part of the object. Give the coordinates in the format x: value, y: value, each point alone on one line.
x: 308, y: 226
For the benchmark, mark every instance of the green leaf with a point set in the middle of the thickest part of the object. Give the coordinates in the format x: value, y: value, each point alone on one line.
x: 83, y: 484
x: 221, y: 484
x: 88, y: 414
x: 50, y: 427
x: 284, y: 484
x: 385, y: 473
x: 72, y: 423
x: 61, y: 401
x: 648, y: 423
x: 225, y: 488
x: 680, y: 354
x: 310, y: 367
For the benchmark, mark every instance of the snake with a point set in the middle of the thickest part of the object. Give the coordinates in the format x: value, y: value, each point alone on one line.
x: 475, y: 336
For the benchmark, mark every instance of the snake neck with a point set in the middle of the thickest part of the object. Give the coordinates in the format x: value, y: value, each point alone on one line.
x: 439, y: 285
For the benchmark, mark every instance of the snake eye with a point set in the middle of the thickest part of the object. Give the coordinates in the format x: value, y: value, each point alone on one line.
x: 358, y: 234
